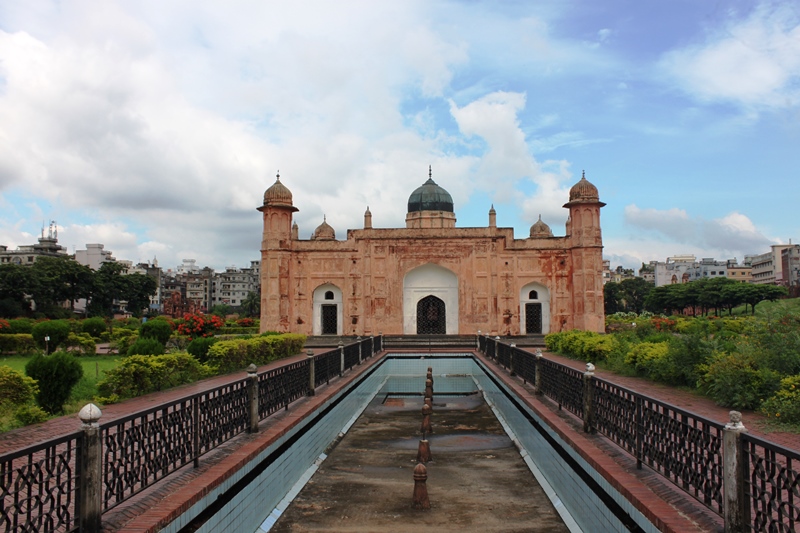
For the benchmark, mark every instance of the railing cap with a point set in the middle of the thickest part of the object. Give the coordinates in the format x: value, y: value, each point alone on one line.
x: 252, y: 369
x: 735, y: 422
x: 90, y: 414
x: 310, y: 352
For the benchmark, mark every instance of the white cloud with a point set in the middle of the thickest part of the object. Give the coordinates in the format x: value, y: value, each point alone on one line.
x: 753, y: 62
x: 729, y: 236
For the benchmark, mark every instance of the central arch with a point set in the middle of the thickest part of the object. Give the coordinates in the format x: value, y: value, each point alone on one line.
x: 427, y: 281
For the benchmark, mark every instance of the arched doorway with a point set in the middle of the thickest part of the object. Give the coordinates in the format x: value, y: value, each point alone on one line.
x: 534, y: 314
x: 431, y: 316
x: 426, y: 281
x: 327, y: 312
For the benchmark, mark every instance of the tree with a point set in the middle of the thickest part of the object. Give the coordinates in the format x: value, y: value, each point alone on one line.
x: 634, y: 292
x: 56, y: 375
x: 56, y: 280
x: 109, y: 285
x: 138, y: 290
x: 221, y: 310
x: 15, y: 283
x: 612, y: 296
x: 251, y: 305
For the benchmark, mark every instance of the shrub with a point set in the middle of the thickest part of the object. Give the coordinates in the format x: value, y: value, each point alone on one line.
x: 146, y: 346
x: 5, y: 327
x: 784, y: 405
x: 95, y: 326
x: 246, y: 323
x: 30, y: 414
x: 15, y: 387
x: 735, y: 380
x: 19, y: 343
x: 199, y: 348
x: 652, y: 359
x: 56, y: 374
x: 197, y: 325
x: 56, y: 330
x: 227, y: 356
x: 122, y: 338
x: 156, y: 329
x: 21, y: 325
x: 141, y: 374
x: 83, y: 343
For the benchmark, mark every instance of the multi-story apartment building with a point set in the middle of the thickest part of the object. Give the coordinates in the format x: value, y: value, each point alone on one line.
x: 27, y: 254
x: 767, y: 267
x: 686, y: 268
x: 790, y: 266
x: 232, y: 286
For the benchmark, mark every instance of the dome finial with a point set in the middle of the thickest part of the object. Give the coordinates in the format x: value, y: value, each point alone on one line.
x: 583, y: 174
x: 278, y: 175
x: 430, y: 171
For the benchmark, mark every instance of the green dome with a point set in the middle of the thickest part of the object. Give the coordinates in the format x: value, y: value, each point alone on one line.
x: 430, y: 197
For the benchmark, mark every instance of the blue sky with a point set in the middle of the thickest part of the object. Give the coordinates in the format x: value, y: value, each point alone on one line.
x: 155, y: 127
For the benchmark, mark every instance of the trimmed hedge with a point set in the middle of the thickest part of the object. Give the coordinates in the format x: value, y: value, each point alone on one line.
x: 142, y: 374
x: 15, y: 387
x: 18, y: 343
x: 237, y: 330
x: 228, y: 356
x: 57, y: 373
x: 585, y: 345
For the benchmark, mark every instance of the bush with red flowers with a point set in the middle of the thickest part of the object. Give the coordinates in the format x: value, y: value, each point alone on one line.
x: 196, y: 325
x: 245, y: 322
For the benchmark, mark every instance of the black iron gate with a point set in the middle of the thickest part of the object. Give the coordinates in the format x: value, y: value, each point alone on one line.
x: 533, y: 318
x: 431, y: 318
x: 330, y: 319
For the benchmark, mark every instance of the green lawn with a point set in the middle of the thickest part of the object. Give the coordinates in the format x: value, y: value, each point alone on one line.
x: 82, y: 393
x: 771, y: 309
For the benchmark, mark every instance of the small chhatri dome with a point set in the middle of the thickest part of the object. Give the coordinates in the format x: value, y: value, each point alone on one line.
x: 540, y: 229
x: 278, y: 194
x: 324, y: 232
x: 583, y: 191
x: 430, y: 197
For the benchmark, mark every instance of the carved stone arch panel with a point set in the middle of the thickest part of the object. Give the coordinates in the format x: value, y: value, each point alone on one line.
x: 534, y: 309
x: 328, y: 312
x: 430, y: 280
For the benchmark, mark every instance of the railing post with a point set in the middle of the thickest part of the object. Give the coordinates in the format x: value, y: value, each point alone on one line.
x: 511, y: 359
x: 341, y: 359
x: 588, y: 399
x: 360, y: 354
x: 312, y: 373
x: 496, y: 346
x: 90, y: 477
x: 537, y: 372
x: 371, y: 345
x: 252, y: 397
x: 735, y: 504
x: 478, y: 341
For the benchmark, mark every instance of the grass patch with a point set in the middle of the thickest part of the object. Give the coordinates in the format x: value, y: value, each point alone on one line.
x: 770, y: 309
x: 82, y: 393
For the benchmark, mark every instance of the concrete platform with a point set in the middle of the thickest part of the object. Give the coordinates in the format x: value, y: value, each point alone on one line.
x: 476, y: 482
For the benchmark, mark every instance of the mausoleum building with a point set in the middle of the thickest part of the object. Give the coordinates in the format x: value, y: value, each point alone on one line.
x: 432, y: 277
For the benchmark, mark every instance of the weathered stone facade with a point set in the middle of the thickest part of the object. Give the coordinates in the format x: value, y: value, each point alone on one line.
x: 432, y: 277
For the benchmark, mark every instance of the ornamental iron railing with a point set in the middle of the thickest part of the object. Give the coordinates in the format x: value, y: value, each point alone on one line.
x: 685, y: 448
x: 41, y: 486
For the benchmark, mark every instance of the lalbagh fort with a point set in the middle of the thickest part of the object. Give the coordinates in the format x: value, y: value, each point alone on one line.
x: 432, y: 277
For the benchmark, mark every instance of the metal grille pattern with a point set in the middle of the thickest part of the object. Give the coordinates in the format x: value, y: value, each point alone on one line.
x: 524, y: 365
x: 223, y: 414
x: 378, y: 343
x: 502, y: 355
x: 326, y: 366
x: 351, y: 355
x: 279, y: 387
x: 564, y: 385
x: 772, y: 486
x: 330, y: 324
x: 431, y: 319
x: 144, y: 448
x: 684, y: 448
x: 38, y: 487
x: 617, y: 412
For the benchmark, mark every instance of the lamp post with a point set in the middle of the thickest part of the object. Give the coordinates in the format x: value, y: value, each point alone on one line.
x: 47, y: 344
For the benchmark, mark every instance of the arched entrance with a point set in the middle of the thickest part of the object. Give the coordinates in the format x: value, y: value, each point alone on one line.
x: 431, y: 316
x: 327, y: 312
x: 534, y: 316
x: 422, y: 283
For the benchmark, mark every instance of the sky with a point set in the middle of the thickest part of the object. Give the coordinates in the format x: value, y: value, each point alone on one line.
x: 155, y: 127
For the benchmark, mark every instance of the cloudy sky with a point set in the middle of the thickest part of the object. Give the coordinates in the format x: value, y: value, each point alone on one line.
x: 154, y: 127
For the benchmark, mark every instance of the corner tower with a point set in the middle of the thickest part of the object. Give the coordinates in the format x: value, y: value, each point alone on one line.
x: 276, y: 239
x: 586, y: 247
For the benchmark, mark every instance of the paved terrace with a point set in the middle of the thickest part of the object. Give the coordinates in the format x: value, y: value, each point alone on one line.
x: 666, y: 506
